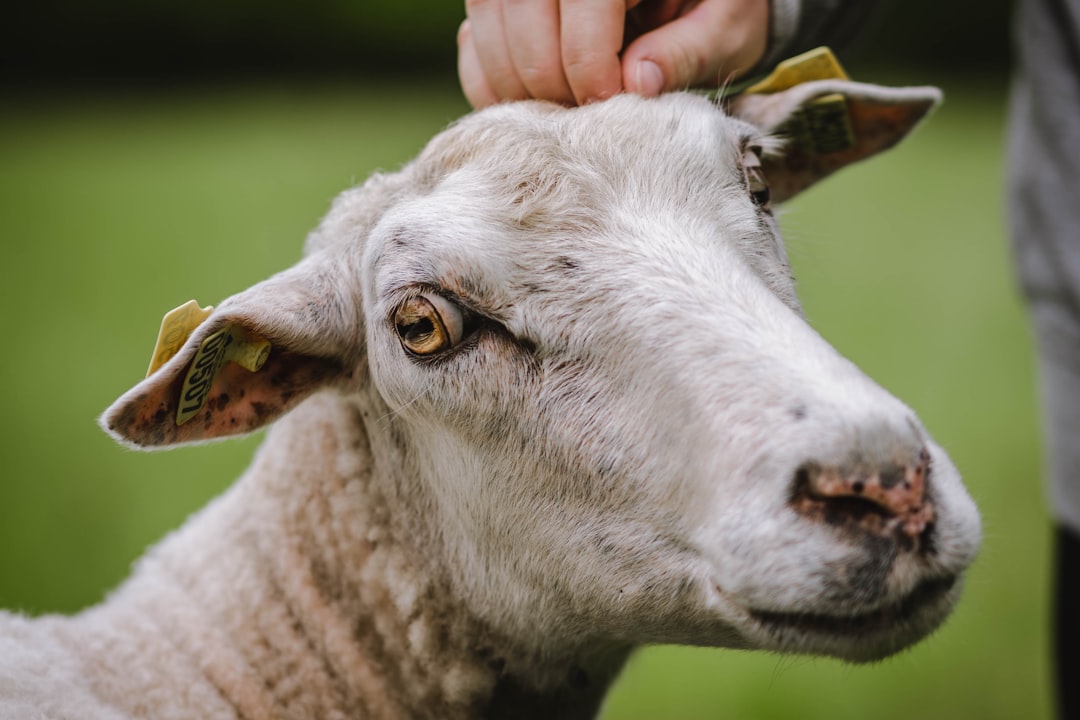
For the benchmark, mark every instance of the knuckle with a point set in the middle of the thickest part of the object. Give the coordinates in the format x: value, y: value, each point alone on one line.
x: 688, y: 64
x: 538, y: 74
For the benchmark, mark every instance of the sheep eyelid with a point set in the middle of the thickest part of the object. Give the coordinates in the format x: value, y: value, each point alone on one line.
x: 753, y: 175
x: 761, y: 198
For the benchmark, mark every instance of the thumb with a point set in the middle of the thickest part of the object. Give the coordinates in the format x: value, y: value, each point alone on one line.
x: 714, y: 42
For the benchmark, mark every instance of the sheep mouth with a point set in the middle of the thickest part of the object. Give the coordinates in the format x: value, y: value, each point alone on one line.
x: 892, y: 618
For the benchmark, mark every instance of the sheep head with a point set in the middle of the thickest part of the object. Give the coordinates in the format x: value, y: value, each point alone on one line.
x: 579, y: 328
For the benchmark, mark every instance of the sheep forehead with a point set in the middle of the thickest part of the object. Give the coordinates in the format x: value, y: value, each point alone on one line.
x: 675, y: 146
x: 540, y: 198
x: 674, y: 136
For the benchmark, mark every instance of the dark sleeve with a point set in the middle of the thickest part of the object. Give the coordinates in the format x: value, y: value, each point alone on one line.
x: 799, y: 25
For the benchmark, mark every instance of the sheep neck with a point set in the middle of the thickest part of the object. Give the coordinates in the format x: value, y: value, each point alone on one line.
x: 349, y: 614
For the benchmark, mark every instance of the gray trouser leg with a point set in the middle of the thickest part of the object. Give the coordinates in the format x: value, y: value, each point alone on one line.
x: 1057, y: 330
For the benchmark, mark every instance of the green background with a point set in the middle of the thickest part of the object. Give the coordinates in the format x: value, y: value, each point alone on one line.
x: 121, y: 198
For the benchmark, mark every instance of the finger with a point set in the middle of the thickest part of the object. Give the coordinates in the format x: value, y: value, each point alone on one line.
x: 592, y: 36
x: 473, y: 82
x: 488, y: 34
x: 713, y: 43
x: 532, y: 31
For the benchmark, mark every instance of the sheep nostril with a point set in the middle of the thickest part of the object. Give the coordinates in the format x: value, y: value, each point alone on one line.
x: 886, y: 498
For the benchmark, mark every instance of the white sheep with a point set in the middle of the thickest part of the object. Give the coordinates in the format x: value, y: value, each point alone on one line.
x: 543, y: 396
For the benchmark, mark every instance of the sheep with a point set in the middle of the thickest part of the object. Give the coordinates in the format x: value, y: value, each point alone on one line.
x: 542, y: 397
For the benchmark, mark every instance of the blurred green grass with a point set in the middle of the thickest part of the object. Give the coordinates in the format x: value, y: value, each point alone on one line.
x: 115, y: 209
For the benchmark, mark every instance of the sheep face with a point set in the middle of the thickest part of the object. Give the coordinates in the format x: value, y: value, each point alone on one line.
x: 620, y: 419
x: 576, y: 338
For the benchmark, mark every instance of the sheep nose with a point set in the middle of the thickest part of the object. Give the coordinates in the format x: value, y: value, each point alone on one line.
x: 886, y: 499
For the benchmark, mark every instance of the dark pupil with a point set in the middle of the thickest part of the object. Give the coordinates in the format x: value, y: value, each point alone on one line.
x: 761, y: 197
x: 420, y: 328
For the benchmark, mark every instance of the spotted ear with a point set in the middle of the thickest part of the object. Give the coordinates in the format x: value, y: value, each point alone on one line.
x: 825, y: 125
x: 257, y: 355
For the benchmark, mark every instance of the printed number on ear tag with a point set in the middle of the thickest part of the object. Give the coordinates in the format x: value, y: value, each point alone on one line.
x: 230, y: 344
x: 823, y: 126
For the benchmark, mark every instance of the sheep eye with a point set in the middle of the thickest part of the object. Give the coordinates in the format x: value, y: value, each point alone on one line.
x: 429, y: 324
x: 755, y: 177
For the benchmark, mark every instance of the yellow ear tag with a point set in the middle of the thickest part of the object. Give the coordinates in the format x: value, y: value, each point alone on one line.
x: 816, y: 64
x: 822, y: 126
x: 176, y: 328
x: 230, y: 344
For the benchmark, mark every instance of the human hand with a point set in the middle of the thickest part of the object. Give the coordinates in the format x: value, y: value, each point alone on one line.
x: 577, y: 51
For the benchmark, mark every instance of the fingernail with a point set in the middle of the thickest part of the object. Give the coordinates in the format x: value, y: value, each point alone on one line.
x: 650, y: 80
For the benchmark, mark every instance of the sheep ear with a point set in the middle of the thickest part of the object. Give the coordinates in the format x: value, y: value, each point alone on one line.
x: 825, y: 125
x: 256, y: 356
